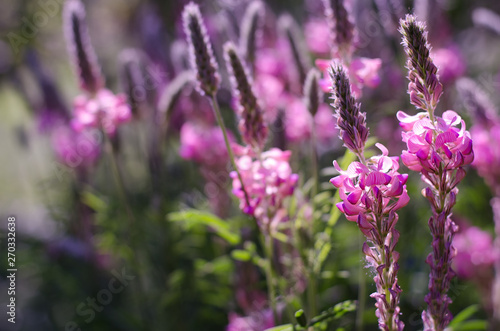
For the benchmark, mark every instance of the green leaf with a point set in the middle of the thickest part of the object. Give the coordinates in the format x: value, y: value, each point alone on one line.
x: 473, y: 325
x: 464, y: 315
x: 93, y: 201
x: 196, y: 217
x: 241, y: 255
x: 285, y: 327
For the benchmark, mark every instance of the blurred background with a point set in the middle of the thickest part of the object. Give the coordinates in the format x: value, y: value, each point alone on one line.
x: 74, y: 237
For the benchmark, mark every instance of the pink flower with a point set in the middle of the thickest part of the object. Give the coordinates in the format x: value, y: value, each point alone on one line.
x: 364, y: 189
x: 76, y: 149
x: 256, y: 321
x: 432, y: 143
x: 362, y: 72
x: 270, y: 91
x: 203, y: 144
x: 268, y: 180
x: 450, y: 63
x: 317, y: 33
x: 297, y: 121
x: 475, y: 253
x: 487, y: 153
x: 104, y: 110
x: 325, y: 125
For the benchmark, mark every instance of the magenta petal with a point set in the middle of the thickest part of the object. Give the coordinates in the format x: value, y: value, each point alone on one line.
x: 403, y: 200
x: 352, y: 209
x: 446, y: 137
x: 354, y: 196
x: 337, y: 181
x: 377, y: 178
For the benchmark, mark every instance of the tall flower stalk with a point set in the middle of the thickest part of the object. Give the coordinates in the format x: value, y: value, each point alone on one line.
x: 372, y: 191
x: 438, y: 149
x: 206, y: 69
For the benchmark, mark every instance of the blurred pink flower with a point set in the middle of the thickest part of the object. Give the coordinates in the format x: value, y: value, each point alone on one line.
x: 256, y: 321
x: 104, y: 110
x: 203, y: 144
x: 450, y: 63
x: 325, y: 124
x: 317, y: 33
x: 268, y: 180
x: 298, y: 121
x: 475, y: 253
x: 270, y: 91
x: 362, y: 72
x: 487, y: 154
x: 76, y: 149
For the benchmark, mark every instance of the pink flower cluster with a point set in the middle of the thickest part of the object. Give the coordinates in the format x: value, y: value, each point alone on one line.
x: 362, y: 72
x: 76, y: 149
x: 450, y: 62
x: 256, y: 321
x: 487, y: 156
x: 475, y: 253
x: 203, y: 144
x: 432, y: 144
x: 376, y: 188
x: 267, y: 179
x: 104, y: 110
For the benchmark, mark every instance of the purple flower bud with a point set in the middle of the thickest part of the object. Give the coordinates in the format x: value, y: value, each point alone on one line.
x: 424, y: 88
x: 200, y: 51
x: 252, y: 126
x: 312, y: 93
x: 292, y: 33
x: 341, y: 28
x: 80, y: 48
x: 350, y: 121
x: 251, y: 30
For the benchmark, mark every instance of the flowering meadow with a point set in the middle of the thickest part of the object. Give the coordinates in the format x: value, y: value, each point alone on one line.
x: 250, y: 165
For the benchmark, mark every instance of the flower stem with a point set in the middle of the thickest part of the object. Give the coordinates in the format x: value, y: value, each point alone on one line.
x: 220, y: 121
x: 362, y: 291
x: 269, y: 252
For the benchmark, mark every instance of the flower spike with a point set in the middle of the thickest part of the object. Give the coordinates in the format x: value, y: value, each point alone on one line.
x: 200, y: 51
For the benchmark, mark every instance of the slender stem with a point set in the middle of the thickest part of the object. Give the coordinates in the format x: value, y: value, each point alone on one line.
x: 315, y: 168
x: 220, y: 121
x: 362, y: 291
x: 118, y: 178
x: 268, y: 244
x: 311, y: 288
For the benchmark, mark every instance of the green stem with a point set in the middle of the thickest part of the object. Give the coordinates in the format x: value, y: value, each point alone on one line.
x: 220, y: 121
x: 362, y: 292
x: 268, y: 244
x: 315, y: 168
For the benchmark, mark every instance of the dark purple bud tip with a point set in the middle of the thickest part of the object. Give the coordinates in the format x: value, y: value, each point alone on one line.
x: 251, y: 30
x: 252, y: 126
x: 80, y: 48
x: 312, y: 92
x: 350, y: 121
x: 200, y: 51
x: 424, y: 88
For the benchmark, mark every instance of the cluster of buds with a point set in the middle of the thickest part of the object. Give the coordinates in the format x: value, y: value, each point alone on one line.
x: 268, y: 179
x: 372, y: 190
x: 97, y: 107
x: 438, y: 149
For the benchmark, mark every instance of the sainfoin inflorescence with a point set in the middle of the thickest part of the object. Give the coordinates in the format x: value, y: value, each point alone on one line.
x: 372, y: 190
x: 438, y: 147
